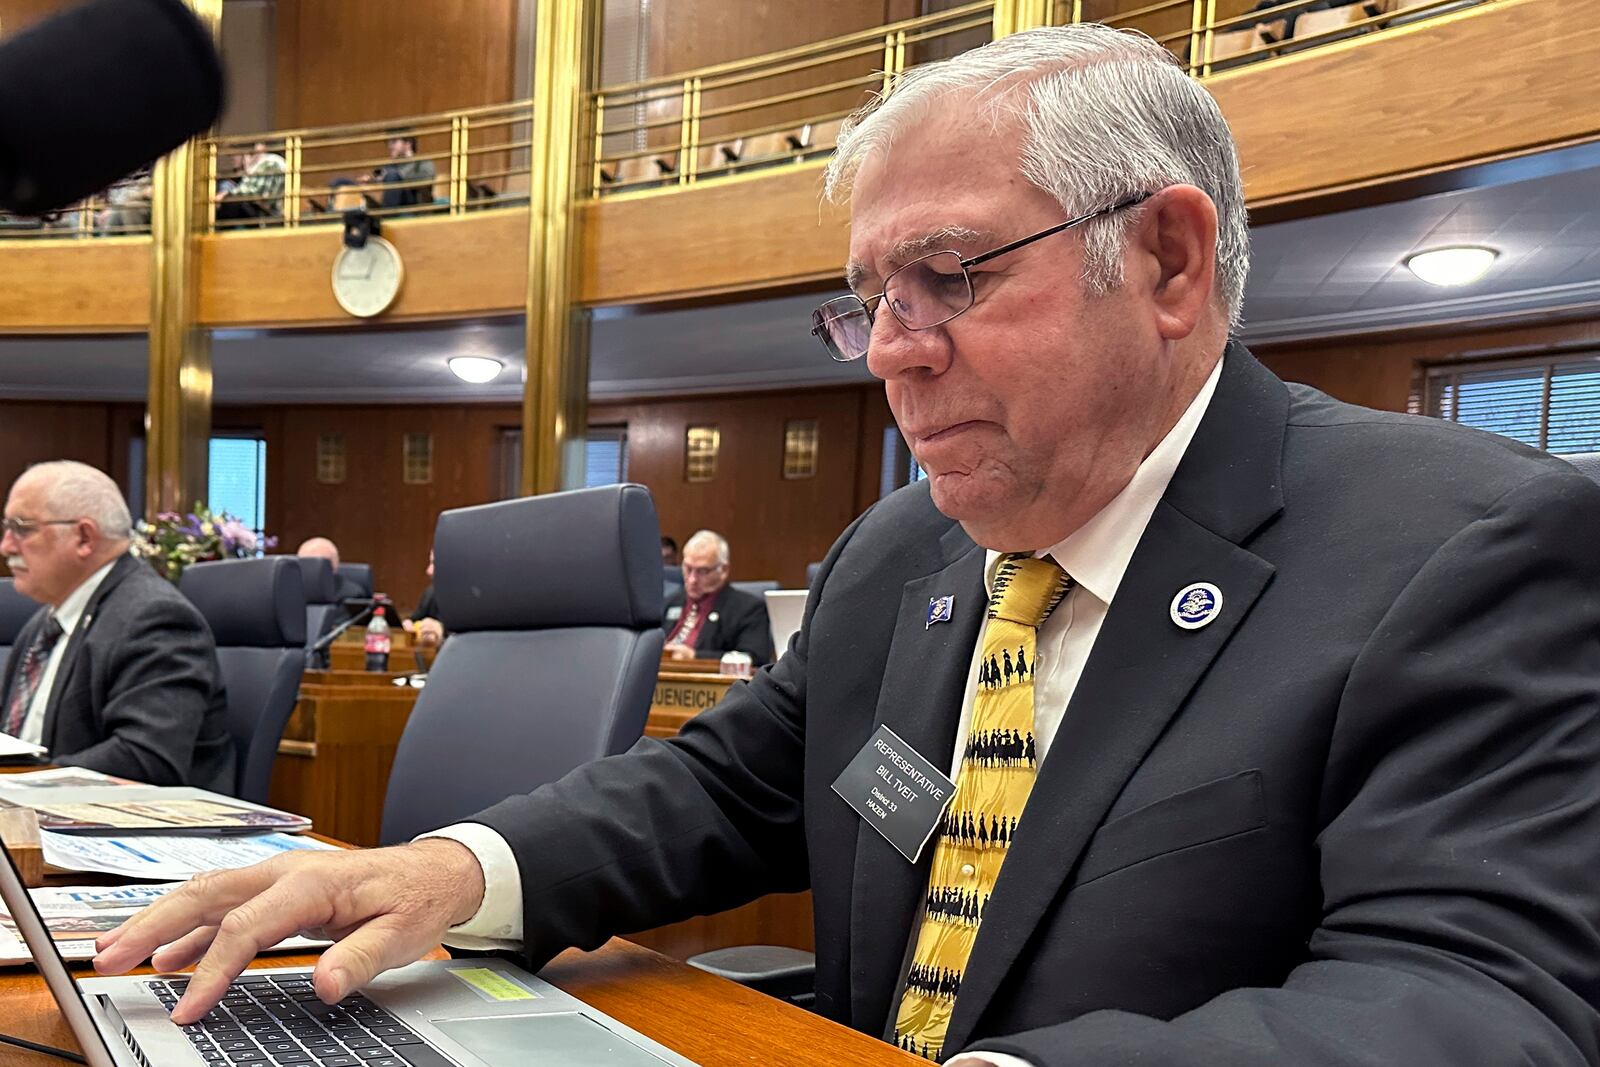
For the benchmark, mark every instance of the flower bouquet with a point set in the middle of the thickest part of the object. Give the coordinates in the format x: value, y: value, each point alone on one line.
x: 174, y: 541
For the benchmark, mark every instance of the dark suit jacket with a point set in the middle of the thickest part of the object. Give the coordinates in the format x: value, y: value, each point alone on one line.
x: 138, y: 693
x: 737, y: 622
x: 1353, y: 821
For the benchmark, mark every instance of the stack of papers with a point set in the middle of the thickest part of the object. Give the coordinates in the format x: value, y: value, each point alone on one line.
x: 76, y: 916
x: 163, y: 858
x: 73, y: 800
x: 16, y: 750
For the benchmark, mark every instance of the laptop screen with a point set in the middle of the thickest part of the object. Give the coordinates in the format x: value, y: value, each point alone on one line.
x: 54, y: 969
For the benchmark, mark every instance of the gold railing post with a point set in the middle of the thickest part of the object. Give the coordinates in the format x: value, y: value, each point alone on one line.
x: 207, y: 196
x: 690, y: 167
x: 899, y: 53
x: 555, y: 397
x: 178, y: 405
x: 888, y: 64
x: 466, y: 162
x: 1196, y: 24
x: 1077, y: 11
x: 685, y: 120
x: 292, y: 183
x: 599, y: 143
x: 456, y: 160
x: 1014, y: 16
x: 1211, y: 20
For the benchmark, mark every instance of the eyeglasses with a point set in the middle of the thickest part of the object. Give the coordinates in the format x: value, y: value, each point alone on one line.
x: 922, y: 294
x: 701, y: 572
x: 23, y: 528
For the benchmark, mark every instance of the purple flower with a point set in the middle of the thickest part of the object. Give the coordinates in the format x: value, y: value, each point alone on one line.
x: 236, y: 536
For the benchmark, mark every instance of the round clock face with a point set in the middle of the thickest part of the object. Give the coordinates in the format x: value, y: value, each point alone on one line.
x: 366, y: 280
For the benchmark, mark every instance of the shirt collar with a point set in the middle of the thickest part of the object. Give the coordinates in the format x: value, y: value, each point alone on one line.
x: 1097, y: 553
x: 71, y: 609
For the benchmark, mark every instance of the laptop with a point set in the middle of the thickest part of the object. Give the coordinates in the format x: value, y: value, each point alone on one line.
x: 785, y: 608
x: 436, y: 1013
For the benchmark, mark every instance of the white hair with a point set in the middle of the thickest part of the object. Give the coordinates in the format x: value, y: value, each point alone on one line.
x: 709, y: 538
x: 1109, y: 114
x: 72, y: 490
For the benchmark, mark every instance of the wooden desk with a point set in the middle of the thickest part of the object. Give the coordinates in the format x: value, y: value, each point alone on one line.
x: 709, y: 1020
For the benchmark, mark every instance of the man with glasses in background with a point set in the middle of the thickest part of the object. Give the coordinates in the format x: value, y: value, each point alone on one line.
x: 1249, y: 727
x: 117, y: 671
x: 707, y: 617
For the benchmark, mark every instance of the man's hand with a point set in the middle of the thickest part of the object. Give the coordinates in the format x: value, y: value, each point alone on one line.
x: 384, y: 908
x: 430, y: 633
x: 679, y: 651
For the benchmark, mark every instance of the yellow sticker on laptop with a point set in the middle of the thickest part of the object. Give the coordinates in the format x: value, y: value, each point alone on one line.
x: 491, y: 985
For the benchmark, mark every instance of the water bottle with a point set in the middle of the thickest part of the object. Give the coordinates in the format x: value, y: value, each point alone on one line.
x: 378, y: 641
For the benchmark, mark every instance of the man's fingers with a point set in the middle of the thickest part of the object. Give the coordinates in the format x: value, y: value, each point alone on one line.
x: 388, y: 941
x: 203, y: 901
x: 258, y: 923
x: 185, y: 951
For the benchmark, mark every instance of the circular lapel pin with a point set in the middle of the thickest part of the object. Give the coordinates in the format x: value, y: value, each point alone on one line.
x: 1196, y: 605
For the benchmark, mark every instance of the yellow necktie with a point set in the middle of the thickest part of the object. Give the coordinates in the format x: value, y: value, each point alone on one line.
x: 992, y: 787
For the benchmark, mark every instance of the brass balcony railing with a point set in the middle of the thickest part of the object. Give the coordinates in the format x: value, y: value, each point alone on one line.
x: 666, y: 133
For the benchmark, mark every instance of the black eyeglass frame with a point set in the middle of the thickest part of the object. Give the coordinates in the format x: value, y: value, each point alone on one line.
x: 820, y: 324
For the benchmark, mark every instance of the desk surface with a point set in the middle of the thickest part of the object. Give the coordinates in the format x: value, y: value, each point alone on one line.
x: 707, y: 1019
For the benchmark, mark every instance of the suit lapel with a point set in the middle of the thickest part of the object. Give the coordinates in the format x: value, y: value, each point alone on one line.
x: 924, y: 682
x: 1143, y: 666
x: 74, y: 652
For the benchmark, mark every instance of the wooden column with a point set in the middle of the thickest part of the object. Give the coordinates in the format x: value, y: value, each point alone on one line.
x: 556, y: 390
x: 178, y: 411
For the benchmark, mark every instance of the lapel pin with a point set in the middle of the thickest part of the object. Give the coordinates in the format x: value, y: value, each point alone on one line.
x: 940, y: 609
x: 1196, y: 605
x: 712, y: 617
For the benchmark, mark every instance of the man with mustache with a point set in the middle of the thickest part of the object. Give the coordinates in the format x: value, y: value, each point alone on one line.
x: 117, y: 671
x: 1305, y: 764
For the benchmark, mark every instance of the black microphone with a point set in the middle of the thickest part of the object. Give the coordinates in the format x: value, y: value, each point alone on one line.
x: 94, y: 93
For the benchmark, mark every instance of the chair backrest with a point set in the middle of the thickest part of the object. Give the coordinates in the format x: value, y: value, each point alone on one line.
x: 15, y: 611
x: 811, y: 573
x: 754, y: 588
x: 824, y: 134
x: 256, y: 609
x: 1586, y: 462
x: 671, y: 580
x: 359, y: 575
x: 1311, y: 23
x: 321, y: 588
x: 1231, y: 43
x: 553, y: 604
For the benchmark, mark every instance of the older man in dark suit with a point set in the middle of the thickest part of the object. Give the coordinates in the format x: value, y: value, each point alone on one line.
x: 1273, y: 723
x: 707, y: 616
x: 117, y: 672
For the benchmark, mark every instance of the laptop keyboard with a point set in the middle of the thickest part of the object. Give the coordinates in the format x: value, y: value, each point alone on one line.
x: 277, y: 1019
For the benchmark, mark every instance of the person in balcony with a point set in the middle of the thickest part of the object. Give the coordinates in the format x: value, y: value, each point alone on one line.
x: 258, y: 193
x: 408, y: 180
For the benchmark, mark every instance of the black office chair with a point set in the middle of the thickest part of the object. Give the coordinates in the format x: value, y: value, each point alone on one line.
x: 357, y: 578
x: 811, y: 573
x: 755, y: 588
x: 671, y: 580
x: 15, y: 611
x: 321, y: 587
x: 256, y: 609
x: 553, y: 604
x: 1587, y: 463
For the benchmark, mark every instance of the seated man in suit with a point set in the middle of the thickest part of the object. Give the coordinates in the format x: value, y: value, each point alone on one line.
x: 707, y: 616
x: 1273, y: 722
x: 424, y: 623
x: 117, y: 672
x: 323, y: 548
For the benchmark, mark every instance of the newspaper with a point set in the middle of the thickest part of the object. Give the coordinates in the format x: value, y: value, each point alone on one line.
x: 61, y: 778
x: 77, y: 915
x: 75, y: 800
x: 161, y: 858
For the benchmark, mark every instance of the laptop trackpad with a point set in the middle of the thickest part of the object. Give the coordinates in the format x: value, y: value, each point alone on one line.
x: 565, y: 1038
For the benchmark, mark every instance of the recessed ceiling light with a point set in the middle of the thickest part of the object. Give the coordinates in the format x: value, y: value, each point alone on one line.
x: 1452, y: 266
x: 475, y: 369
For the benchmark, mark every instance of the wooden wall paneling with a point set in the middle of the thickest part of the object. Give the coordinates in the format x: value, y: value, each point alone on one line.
x: 875, y: 418
x: 454, y: 268
x: 18, y: 15
x: 355, y: 62
x: 1378, y: 371
x: 774, y: 525
x: 33, y: 431
x: 374, y: 517
x: 99, y: 286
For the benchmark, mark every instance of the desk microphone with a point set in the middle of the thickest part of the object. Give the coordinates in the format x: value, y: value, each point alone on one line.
x: 94, y: 93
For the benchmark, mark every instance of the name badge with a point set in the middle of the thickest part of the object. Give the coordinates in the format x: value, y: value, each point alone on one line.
x: 898, y: 793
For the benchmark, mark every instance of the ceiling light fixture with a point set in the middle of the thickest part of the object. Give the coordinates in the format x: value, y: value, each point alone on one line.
x: 1460, y: 265
x: 475, y: 369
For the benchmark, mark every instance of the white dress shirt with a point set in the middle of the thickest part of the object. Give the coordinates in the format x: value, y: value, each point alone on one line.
x: 68, y: 615
x: 1096, y: 555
